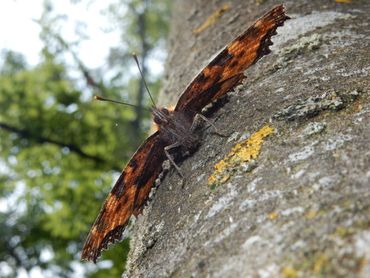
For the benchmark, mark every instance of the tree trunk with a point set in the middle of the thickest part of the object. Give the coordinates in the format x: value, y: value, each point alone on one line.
x: 301, y: 208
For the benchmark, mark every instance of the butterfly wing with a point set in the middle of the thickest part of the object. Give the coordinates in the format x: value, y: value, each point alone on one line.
x: 127, y: 197
x: 226, y: 70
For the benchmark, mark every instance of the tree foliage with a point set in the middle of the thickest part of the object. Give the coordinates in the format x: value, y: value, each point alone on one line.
x: 61, y: 152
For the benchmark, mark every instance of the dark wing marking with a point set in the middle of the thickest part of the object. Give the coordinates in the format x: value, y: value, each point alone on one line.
x: 225, y: 71
x: 127, y: 197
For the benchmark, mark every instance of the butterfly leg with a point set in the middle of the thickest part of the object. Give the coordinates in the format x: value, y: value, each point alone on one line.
x: 205, y: 119
x: 170, y: 158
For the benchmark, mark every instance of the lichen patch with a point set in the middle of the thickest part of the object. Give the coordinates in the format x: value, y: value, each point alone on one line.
x: 212, y: 18
x: 240, y: 158
x: 312, y: 106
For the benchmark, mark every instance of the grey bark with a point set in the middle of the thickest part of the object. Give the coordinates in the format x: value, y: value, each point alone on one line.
x: 302, y: 208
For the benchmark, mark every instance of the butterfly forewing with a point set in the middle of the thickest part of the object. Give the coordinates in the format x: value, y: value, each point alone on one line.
x: 225, y: 71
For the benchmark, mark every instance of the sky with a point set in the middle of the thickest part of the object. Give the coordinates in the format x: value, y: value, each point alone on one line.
x: 19, y: 32
x: 16, y: 27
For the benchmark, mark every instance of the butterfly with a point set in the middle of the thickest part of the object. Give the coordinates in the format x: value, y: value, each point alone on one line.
x: 176, y: 130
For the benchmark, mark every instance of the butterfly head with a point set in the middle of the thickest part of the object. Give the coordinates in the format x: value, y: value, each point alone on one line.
x: 160, y: 115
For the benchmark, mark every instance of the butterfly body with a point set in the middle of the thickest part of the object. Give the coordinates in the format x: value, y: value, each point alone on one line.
x: 176, y: 129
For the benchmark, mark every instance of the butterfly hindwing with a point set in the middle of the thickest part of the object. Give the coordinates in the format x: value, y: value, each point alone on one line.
x: 225, y: 71
x: 127, y: 197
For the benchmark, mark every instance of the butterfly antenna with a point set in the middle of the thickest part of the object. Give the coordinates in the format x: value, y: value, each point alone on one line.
x: 116, y: 101
x: 142, y: 76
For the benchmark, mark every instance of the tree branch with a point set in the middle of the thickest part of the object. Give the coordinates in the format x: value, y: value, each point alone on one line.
x: 90, y: 81
x: 27, y: 134
x: 142, y: 34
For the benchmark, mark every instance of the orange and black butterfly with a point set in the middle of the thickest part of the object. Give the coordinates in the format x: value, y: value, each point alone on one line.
x: 175, y: 130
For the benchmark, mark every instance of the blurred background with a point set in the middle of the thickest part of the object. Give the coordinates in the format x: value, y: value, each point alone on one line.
x: 60, y: 151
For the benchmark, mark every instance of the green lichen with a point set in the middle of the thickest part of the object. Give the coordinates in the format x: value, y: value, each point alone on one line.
x: 303, y: 45
x: 314, y: 105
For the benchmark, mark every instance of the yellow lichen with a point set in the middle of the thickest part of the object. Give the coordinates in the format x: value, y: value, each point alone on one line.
x: 320, y: 263
x: 212, y: 18
x: 242, y: 152
x: 344, y: 231
x: 311, y: 214
x: 273, y: 215
x: 289, y: 272
x: 260, y: 2
x: 343, y: 1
